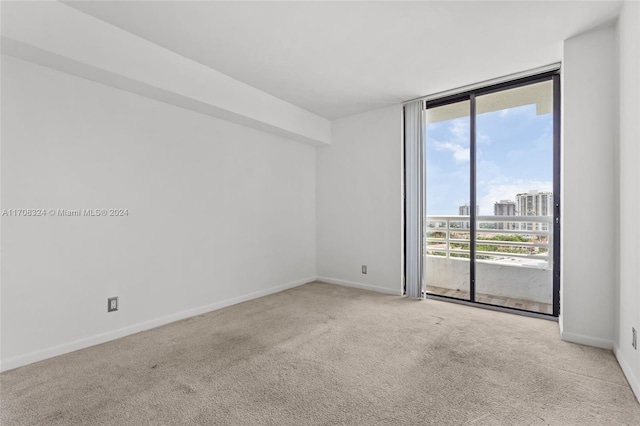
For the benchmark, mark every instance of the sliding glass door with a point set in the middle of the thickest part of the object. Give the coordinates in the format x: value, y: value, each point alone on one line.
x: 447, y: 225
x: 492, y: 201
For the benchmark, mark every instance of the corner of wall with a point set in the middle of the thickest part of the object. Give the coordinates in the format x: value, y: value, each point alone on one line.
x: 633, y: 381
x: 359, y: 201
x: 588, y: 166
x: 586, y: 340
x: 627, y: 297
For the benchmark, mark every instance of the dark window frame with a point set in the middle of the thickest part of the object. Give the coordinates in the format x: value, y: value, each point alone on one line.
x: 470, y: 95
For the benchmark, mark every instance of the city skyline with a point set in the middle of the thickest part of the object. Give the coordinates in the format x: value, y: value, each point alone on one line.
x: 514, y: 154
x: 505, y: 206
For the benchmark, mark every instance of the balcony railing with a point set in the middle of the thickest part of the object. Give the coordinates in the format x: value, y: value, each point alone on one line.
x: 524, y: 241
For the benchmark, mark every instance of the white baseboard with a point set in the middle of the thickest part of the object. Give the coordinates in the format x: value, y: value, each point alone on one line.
x: 397, y: 292
x: 628, y: 372
x: 42, y: 354
x: 586, y: 340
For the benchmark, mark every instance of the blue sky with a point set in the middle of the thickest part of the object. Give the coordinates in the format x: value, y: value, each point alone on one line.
x: 514, y: 154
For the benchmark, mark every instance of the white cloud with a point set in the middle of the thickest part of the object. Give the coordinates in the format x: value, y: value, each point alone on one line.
x: 483, y: 139
x: 458, y: 140
x: 460, y: 131
x: 460, y: 153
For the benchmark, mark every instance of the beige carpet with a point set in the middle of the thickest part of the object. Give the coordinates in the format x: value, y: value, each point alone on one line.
x: 323, y: 355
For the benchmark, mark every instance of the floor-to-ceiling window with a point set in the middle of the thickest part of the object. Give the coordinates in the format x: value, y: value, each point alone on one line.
x: 492, y: 195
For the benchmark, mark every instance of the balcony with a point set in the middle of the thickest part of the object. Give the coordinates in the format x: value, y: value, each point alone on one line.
x: 514, y: 260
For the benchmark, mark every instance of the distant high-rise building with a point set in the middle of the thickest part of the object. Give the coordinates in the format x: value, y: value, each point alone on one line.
x: 535, y: 203
x: 505, y: 208
x: 465, y: 210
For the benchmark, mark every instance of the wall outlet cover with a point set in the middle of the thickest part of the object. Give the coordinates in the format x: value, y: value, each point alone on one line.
x: 112, y: 304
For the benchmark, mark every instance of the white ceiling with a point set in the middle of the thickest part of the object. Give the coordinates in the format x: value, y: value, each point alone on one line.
x: 340, y: 58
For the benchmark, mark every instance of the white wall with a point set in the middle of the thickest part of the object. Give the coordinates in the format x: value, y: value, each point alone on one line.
x: 359, y: 201
x: 589, y: 201
x: 218, y: 213
x: 628, y: 301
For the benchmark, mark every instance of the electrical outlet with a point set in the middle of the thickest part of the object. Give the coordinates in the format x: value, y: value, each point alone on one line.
x: 364, y: 269
x: 634, y: 338
x: 112, y: 304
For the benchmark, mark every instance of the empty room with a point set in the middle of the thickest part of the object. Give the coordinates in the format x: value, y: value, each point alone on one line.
x: 318, y: 213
